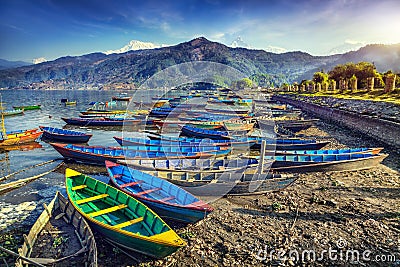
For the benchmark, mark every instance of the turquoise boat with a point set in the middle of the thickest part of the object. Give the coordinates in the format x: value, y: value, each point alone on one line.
x: 120, y: 218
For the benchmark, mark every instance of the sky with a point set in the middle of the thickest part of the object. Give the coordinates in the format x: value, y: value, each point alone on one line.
x: 51, y: 29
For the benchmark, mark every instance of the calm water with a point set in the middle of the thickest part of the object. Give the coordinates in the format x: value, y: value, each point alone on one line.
x: 19, y: 204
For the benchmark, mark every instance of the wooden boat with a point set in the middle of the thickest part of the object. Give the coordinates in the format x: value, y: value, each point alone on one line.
x: 65, y: 135
x: 217, y: 150
x: 31, y: 107
x: 20, y: 137
x: 289, y: 144
x: 234, y: 126
x: 228, y: 183
x: 121, y: 97
x: 121, y: 218
x: 204, y: 133
x: 198, y: 124
x: 99, y: 154
x: 13, y: 112
x: 60, y: 214
x: 70, y: 103
x: 192, y: 165
x: 348, y: 162
x: 101, y: 121
x: 166, y: 199
x: 183, y: 142
x: 362, y: 150
x: 227, y: 109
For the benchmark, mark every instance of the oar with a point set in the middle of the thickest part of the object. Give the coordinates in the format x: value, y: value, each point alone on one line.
x: 22, y: 257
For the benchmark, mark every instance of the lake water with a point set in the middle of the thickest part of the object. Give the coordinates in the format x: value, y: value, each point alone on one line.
x: 18, y: 206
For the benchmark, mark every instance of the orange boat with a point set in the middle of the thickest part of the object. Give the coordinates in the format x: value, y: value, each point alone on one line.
x: 20, y: 137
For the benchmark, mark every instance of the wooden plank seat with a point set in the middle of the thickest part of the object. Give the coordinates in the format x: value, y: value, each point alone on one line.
x: 108, y: 210
x: 131, y: 184
x: 90, y: 199
x: 78, y: 187
x: 167, y: 198
x: 128, y: 223
x: 148, y: 191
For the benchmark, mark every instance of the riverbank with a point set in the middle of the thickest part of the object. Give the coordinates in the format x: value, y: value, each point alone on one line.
x: 348, y: 211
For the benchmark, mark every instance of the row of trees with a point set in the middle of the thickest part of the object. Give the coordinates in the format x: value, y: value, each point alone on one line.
x: 350, y: 73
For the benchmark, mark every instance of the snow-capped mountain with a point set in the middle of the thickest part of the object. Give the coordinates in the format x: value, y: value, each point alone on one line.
x: 39, y: 60
x: 275, y: 49
x: 346, y: 47
x: 134, y: 45
x: 238, y: 42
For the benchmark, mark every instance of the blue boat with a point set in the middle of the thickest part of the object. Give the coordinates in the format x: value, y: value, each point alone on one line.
x: 102, y: 121
x: 166, y: 199
x: 65, y: 135
x: 98, y: 154
x: 363, y: 150
x: 204, y: 133
x: 183, y: 142
x: 323, y: 163
x: 217, y: 150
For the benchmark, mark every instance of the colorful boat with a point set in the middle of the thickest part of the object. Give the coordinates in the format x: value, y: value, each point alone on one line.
x: 183, y: 142
x: 324, y: 163
x: 192, y: 165
x: 70, y: 103
x: 204, y: 133
x: 363, y: 150
x: 122, y: 97
x: 217, y: 150
x: 121, y: 218
x: 228, y: 183
x: 63, y: 135
x: 31, y: 107
x: 101, y: 121
x: 19, y: 137
x: 166, y: 199
x: 60, y: 215
x: 13, y: 112
x: 99, y: 154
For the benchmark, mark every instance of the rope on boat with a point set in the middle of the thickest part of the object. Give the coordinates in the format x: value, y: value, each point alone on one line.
x: 30, y: 167
x: 16, y: 184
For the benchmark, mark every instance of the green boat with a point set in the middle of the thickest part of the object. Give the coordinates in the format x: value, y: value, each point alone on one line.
x: 122, y: 219
x: 31, y: 107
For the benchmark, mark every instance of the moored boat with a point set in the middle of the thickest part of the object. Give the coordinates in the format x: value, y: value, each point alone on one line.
x: 101, y: 121
x: 99, y: 154
x: 121, y: 218
x: 60, y: 214
x: 166, y: 199
x: 30, y: 107
x: 13, y: 112
x: 19, y: 137
x: 65, y: 135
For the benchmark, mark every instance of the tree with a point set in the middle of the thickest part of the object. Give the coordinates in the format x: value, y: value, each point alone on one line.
x: 320, y: 77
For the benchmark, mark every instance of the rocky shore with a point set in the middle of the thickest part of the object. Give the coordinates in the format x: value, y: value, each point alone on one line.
x: 354, y: 215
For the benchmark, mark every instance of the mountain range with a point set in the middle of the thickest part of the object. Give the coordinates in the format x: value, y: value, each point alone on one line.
x: 100, y: 70
x: 5, y: 64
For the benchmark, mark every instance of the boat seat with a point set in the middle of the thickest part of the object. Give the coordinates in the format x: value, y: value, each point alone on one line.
x: 78, y: 187
x: 148, y: 191
x: 128, y: 223
x: 90, y: 199
x: 108, y: 210
x: 119, y: 175
x: 131, y: 184
x: 166, y: 198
